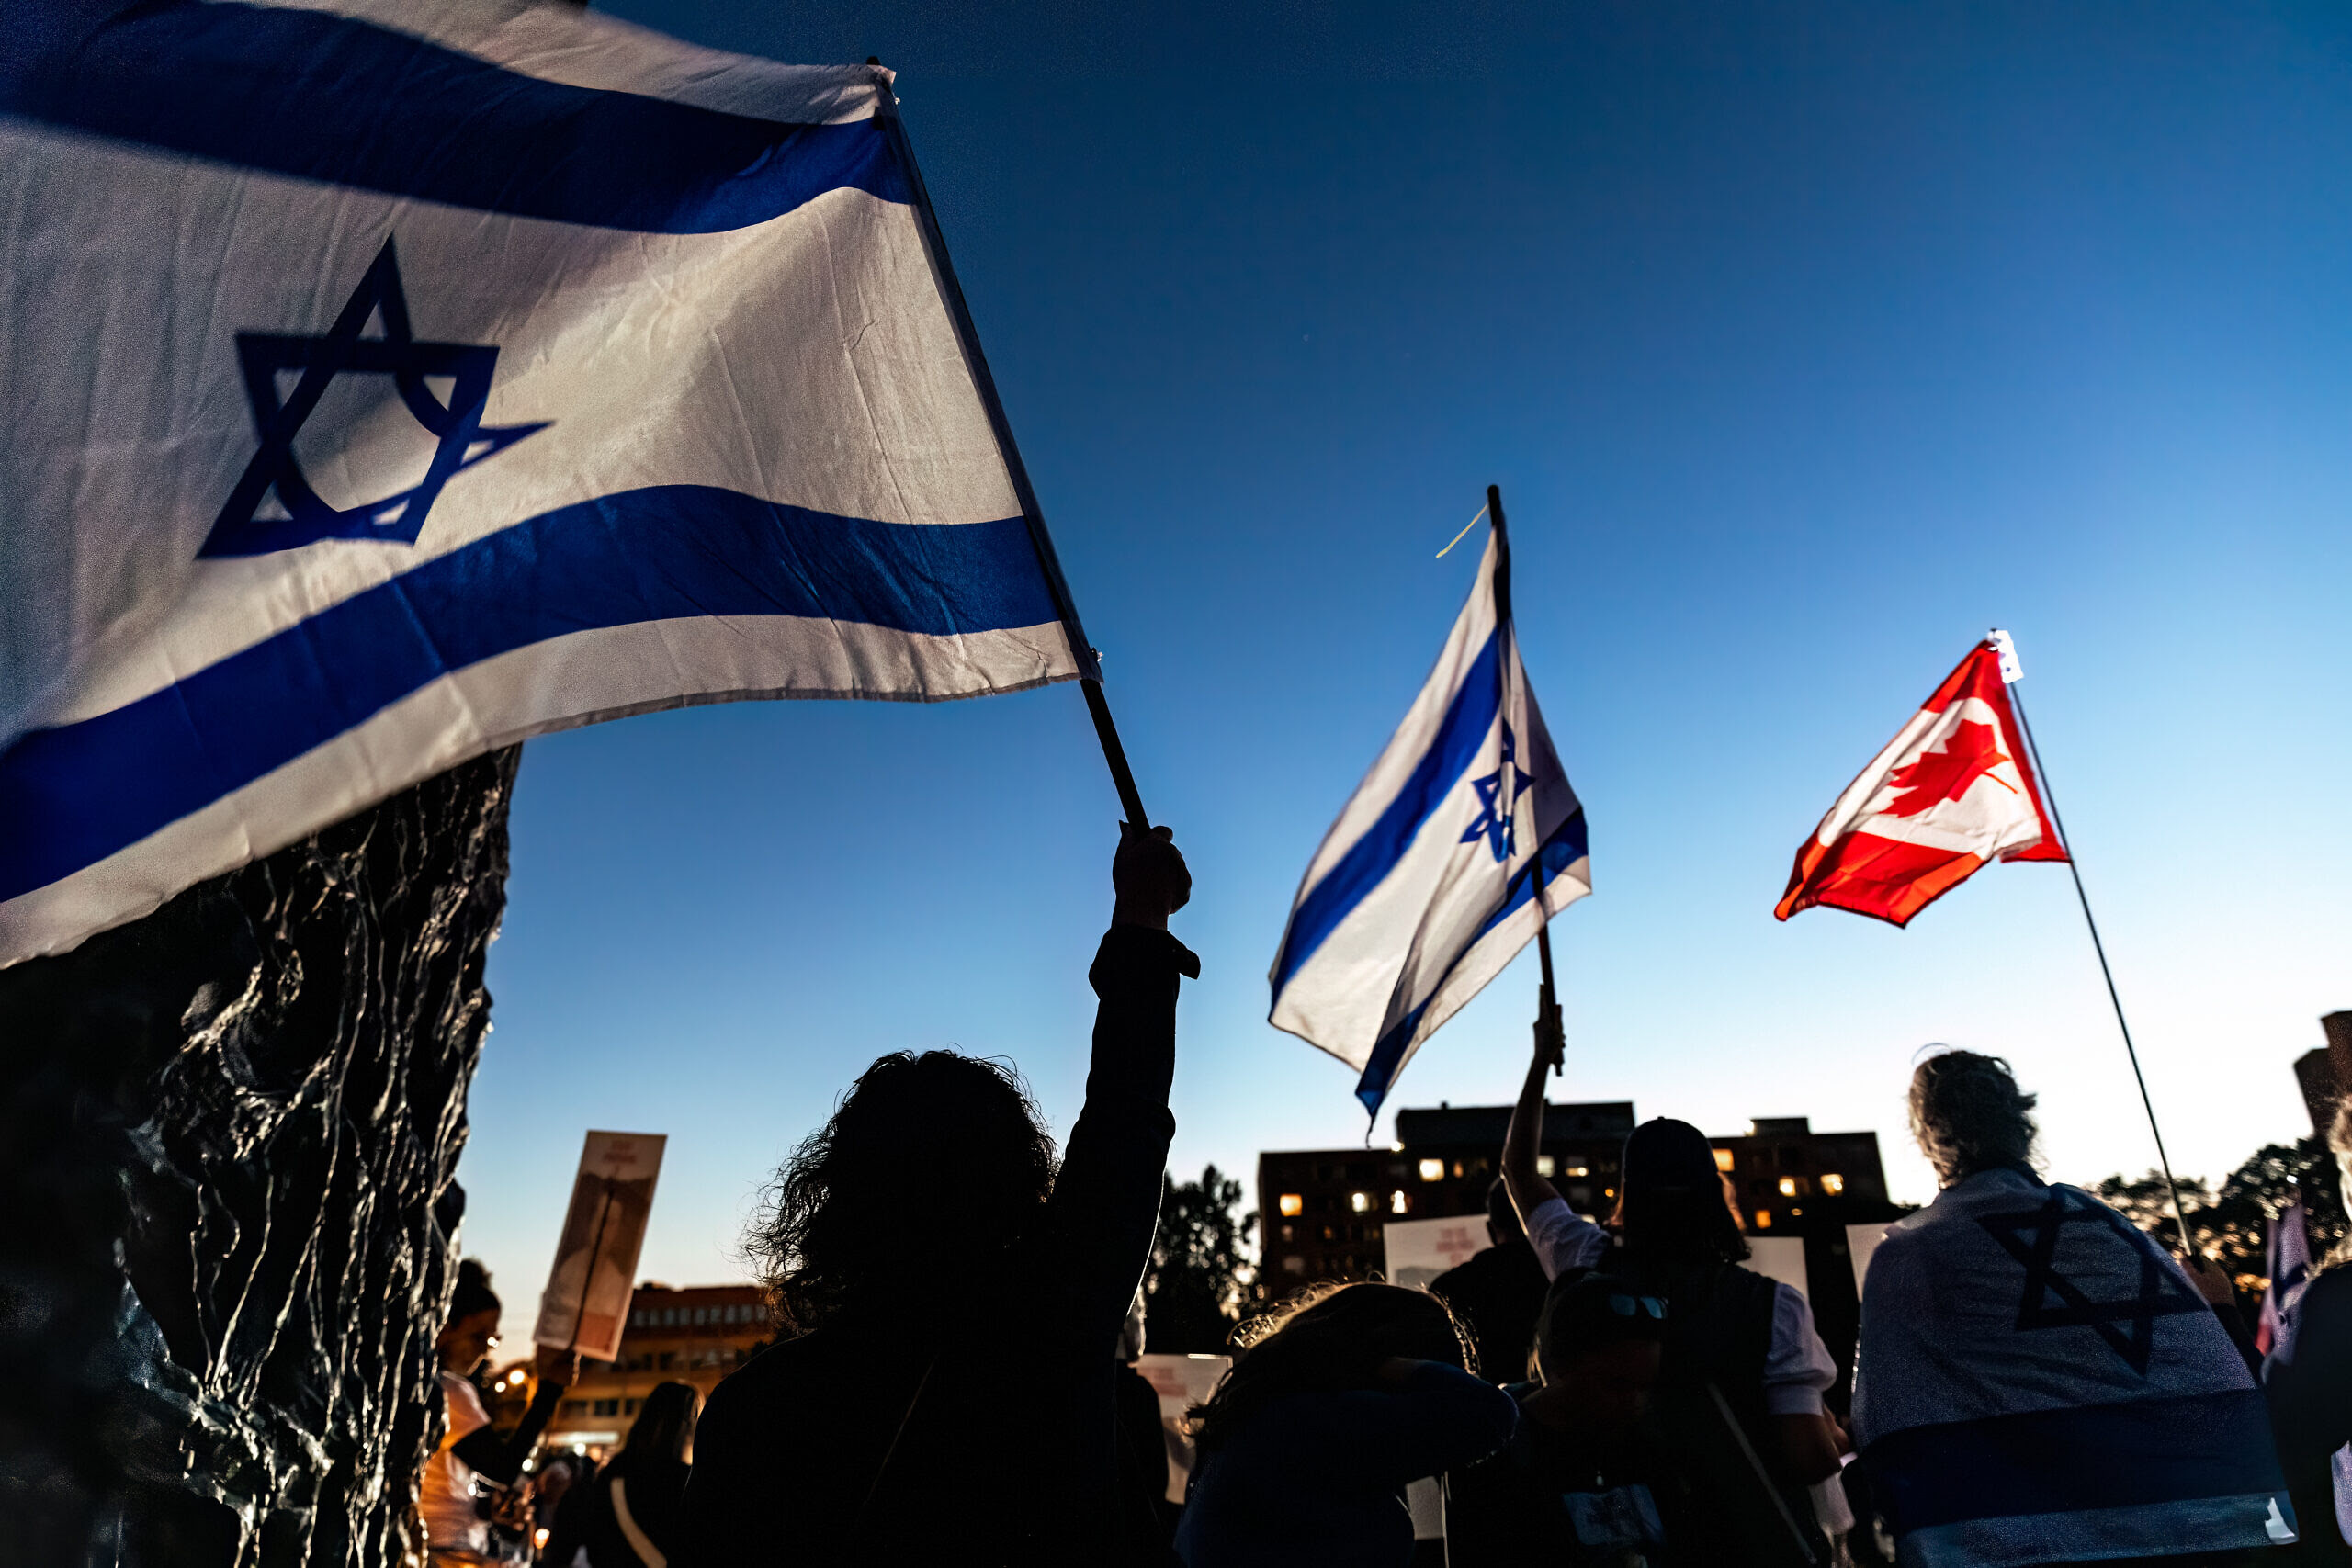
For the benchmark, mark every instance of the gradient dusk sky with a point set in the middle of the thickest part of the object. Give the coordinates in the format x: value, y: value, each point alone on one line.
x: 1805, y: 341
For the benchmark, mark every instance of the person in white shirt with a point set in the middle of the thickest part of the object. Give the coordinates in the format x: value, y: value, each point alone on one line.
x: 456, y: 1531
x: 1675, y: 1234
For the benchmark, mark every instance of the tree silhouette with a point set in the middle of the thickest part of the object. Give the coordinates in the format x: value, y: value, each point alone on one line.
x: 2232, y: 1224
x: 1200, y: 1268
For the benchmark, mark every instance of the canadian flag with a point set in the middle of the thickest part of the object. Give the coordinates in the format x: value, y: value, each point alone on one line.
x: 1953, y: 790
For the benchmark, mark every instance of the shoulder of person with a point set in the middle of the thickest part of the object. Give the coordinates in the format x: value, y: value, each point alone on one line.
x: 459, y: 1393
x: 2330, y: 1292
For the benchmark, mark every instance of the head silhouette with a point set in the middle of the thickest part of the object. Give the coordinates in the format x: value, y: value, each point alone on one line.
x: 1673, y: 1206
x: 1968, y: 1114
x: 664, y: 1427
x: 471, y: 1331
x: 1325, y: 1338
x: 941, y: 1143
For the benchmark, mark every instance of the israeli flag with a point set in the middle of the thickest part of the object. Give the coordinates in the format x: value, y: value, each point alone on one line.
x: 388, y: 380
x: 1427, y: 886
x: 2037, y: 1382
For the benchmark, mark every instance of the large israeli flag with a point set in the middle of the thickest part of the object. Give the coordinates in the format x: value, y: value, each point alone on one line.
x: 2037, y: 1382
x: 1427, y: 885
x: 387, y: 380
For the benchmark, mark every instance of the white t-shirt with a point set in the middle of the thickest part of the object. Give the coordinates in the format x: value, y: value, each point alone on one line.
x: 1797, y: 1366
x: 446, y: 1496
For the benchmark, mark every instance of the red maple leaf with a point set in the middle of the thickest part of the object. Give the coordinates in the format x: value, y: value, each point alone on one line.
x: 1933, y: 777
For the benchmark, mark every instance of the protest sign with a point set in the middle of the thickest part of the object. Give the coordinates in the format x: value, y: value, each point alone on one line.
x: 1861, y: 1242
x: 1420, y: 1251
x: 1780, y: 1257
x: 1182, y: 1381
x: 585, y: 1305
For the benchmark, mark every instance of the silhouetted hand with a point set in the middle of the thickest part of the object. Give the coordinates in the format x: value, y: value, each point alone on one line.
x: 1148, y: 877
x: 2212, y: 1281
x: 1551, y: 1038
x: 559, y: 1368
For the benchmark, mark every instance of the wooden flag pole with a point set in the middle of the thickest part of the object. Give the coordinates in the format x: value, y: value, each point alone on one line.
x: 2164, y: 1161
x: 1547, y: 999
x: 968, y: 337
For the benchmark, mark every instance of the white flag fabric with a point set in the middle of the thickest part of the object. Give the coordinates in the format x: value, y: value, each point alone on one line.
x: 388, y: 380
x: 1426, y: 886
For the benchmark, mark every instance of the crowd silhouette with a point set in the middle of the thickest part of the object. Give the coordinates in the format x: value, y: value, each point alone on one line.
x: 2037, y: 1382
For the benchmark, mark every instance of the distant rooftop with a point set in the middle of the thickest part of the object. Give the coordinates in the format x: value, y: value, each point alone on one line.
x: 1780, y: 1127
x: 1485, y: 1124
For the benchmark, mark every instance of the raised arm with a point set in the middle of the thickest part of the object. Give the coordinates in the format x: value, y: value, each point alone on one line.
x: 1529, y: 1190
x: 1106, y: 1198
x: 500, y: 1458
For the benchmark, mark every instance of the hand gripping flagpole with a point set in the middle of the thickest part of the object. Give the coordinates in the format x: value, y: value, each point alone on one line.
x: 1547, y: 1005
x: 2164, y: 1161
x: 968, y: 337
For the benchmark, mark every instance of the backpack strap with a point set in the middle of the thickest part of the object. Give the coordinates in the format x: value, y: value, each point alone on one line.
x: 638, y: 1541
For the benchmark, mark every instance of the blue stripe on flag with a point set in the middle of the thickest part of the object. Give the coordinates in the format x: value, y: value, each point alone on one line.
x: 322, y: 98
x: 2076, y: 1457
x: 1561, y: 849
x: 1371, y: 857
x: 74, y: 795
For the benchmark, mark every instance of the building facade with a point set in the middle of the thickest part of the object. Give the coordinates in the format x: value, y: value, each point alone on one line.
x: 1322, y: 1212
x: 1780, y: 1164
x: 696, y: 1335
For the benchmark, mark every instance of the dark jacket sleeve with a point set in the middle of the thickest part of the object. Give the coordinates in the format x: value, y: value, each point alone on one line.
x: 1439, y: 1418
x: 1106, y: 1200
x: 2310, y: 1395
x: 500, y: 1458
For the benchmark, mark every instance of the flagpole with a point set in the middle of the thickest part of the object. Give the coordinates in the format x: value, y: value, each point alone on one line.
x: 1547, y: 1003
x: 2180, y: 1218
x: 968, y: 337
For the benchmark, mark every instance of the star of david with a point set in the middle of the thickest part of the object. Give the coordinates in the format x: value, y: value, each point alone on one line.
x: 274, y: 507
x: 2126, y: 1323
x: 1497, y: 817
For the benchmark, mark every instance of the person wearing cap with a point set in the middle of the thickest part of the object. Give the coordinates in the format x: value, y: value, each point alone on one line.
x: 1678, y: 1237
x: 1572, y: 1485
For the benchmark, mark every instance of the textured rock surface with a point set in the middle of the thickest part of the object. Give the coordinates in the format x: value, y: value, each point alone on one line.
x: 227, y: 1135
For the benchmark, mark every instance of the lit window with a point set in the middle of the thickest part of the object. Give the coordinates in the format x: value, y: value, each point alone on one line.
x: 1396, y: 1202
x: 1722, y: 1159
x: 1796, y: 1213
x: 1293, y: 1264
x: 1788, y: 1187
x: 1360, y: 1201
x: 1545, y: 1164
x: 1763, y: 1219
x: 1290, y: 1204
x: 1833, y: 1183
x: 1432, y: 1171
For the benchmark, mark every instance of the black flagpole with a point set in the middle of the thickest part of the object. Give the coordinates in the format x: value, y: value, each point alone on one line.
x: 1547, y: 999
x: 2180, y: 1219
x: 1090, y: 667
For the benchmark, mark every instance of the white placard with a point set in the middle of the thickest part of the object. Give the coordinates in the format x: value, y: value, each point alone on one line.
x: 1182, y: 1381
x: 1780, y: 1257
x: 585, y: 1305
x: 1420, y: 1251
x: 1861, y: 1242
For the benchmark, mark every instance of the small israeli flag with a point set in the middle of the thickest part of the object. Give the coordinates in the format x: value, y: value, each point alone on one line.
x: 388, y: 380
x: 1427, y: 885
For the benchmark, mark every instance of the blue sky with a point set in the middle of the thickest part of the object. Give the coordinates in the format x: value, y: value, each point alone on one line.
x: 1805, y: 343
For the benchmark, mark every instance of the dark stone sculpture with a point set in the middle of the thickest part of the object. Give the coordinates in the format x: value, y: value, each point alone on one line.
x: 227, y: 1135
